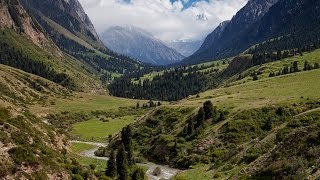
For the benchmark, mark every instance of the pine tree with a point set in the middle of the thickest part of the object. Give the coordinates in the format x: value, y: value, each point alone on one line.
x: 255, y: 77
x: 316, y: 66
x: 126, y: 136
x: 122, y: 164
x: 111, y: 170
x: 190, y: 128
x: 295, y: 66
x: 200, y: 117
x: 208, y: 109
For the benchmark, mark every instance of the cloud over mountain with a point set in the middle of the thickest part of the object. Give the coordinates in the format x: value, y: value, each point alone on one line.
x: 166, y: 19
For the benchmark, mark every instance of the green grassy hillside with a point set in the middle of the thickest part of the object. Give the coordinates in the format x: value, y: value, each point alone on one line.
x: 256, y: 123
x: 265, y: 69
x: 52, y: 59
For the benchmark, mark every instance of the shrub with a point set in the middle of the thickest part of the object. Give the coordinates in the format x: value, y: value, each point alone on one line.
x: 77, y: 177
x: 22, y: 155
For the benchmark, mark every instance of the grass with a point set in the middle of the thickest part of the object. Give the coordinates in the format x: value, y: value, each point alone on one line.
x: 100, y: 164
x: 77, y: 148
x: 151, y: 75
x: 198, y: 172
x: 96, y: 130
x: 311, y: 57
x: 80, y: 147
x: 282, y: 89
x: 87, y: 103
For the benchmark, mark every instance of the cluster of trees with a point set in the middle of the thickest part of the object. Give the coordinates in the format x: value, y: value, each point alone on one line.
x: 172, y: 85
x: 265, y: 57
x: 295, y: 68
x: 196, y: 124
x: 121, y: 162
x: 14, y: 58
x: 150, y: 104
x: 296, y: 44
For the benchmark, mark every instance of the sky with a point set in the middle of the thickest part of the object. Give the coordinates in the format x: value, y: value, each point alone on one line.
x: 168, y: 20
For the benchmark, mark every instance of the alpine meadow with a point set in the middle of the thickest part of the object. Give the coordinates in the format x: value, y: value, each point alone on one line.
x: 159, y: 90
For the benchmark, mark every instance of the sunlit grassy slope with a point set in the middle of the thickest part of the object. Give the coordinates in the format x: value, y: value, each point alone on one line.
x: 245, y: 94
x: 266, y: 69
x: 282, y: 89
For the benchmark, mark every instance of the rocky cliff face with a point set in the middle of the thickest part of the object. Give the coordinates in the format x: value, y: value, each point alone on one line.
x: 14, y: 16
x: 227, y: 32
x: 67, y: 13
x: 139, y: 44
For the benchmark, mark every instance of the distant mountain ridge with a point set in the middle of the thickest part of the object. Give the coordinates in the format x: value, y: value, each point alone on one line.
x: 139, y: 44
x: 185, y: 47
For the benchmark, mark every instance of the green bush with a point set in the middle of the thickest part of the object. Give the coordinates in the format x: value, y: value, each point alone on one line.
x: 22, y: 155
x: 77, y: 177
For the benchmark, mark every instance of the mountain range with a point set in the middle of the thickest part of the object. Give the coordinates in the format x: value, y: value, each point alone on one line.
x: 139, y: 44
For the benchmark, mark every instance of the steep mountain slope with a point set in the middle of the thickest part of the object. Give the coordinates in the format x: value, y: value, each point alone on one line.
x: 185, y: 47
x: 213, y: 38
x: 139, y: 44
x: 69, y: 14
x: 226, y: 33
x: 289, y: 24
x: 24, y: 45
x: 13, y: 16
x: 70, y: 28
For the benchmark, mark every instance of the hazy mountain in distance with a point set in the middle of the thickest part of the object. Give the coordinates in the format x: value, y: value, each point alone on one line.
x: 185, y: 47
x: 139, y: 44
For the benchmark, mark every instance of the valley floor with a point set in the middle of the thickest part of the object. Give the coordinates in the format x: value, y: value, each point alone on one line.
x: 91, y: 121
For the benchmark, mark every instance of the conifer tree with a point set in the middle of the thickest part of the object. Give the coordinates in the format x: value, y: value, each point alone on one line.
x: 111, y: 170
x: 200, y: 117
x: 295, y: 66
x: 126, y: 135
x: 122, y: 164
x: 208, y: 109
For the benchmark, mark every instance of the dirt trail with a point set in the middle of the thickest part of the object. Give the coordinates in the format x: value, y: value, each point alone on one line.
x: 166, y: 172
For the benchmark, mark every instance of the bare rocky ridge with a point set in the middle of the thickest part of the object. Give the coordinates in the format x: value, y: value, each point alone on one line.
x: 13, y: 15
x: 67, y: 13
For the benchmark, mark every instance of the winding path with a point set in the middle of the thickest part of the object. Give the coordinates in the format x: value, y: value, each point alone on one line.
x: 166, y: 172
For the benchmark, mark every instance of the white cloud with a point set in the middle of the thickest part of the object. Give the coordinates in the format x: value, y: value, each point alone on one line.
x: 167, y: 21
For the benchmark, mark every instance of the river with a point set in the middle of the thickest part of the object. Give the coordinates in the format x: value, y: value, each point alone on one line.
x: 166, y: 172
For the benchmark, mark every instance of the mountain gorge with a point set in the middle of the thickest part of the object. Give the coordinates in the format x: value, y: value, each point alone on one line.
x: 139, y: 44
x: 245, y: 105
